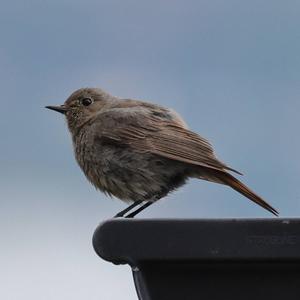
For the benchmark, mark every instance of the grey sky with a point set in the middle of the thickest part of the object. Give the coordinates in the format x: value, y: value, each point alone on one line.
x: 231, y: 68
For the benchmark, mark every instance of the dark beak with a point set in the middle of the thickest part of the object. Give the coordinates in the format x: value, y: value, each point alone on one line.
x: 61, y: 109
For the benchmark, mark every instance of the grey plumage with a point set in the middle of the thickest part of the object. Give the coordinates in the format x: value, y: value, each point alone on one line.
x: 137, y: 151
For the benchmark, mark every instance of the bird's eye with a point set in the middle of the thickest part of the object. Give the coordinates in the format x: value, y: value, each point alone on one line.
x: 86, y: 101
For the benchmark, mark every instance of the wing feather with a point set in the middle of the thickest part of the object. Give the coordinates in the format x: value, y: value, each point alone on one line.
x: 164, y: 137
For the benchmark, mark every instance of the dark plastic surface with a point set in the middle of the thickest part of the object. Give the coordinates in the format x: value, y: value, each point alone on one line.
x: 206, y: 259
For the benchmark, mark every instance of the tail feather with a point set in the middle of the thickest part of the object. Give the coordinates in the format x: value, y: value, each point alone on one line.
x: 234, y: 183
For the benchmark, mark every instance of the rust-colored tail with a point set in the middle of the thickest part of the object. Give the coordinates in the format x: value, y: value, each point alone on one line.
x: 228, y: 179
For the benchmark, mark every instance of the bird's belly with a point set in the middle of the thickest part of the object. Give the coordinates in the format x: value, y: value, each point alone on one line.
x: 133, y: 176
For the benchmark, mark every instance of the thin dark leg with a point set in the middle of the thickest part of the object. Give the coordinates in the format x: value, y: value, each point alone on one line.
x: 127, y: 209
x: 134, y: 213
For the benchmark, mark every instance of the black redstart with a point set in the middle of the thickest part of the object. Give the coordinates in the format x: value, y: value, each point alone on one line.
x: 138, y: 151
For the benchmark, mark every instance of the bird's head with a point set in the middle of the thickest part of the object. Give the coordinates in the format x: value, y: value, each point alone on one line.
x: 82, y: 105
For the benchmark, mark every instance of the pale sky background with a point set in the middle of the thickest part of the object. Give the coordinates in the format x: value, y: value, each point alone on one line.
x: 231, y: 68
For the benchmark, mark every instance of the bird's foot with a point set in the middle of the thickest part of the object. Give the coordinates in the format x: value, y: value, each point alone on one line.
x: 122, y: 213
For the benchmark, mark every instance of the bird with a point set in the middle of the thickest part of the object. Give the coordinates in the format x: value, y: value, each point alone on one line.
x: 139, y: 152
